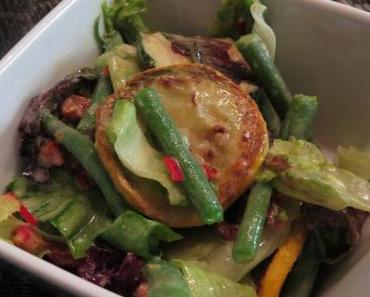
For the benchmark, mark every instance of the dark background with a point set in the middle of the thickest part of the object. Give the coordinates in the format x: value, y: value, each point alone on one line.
x: 17, y: 17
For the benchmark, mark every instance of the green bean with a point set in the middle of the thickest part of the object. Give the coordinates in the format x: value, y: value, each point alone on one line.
x: 83, y: 149
x: 267, y: 74
x: 299, y: 119
x: 103, y: 89
x: 250, y: 232
x: 195, y: 184
x: 268, y: 112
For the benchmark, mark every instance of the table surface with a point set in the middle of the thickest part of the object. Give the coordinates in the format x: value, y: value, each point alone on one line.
x: 17, y: 17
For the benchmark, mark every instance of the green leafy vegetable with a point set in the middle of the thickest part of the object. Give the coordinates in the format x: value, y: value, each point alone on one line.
x: 206, y: 247
x: 165, y: 280
x: 79, y: 216
x: 354, y: 160
x: 141, y: 236
x: 261, y: 28
x: 203, y: 283
x: 8, y: 223
x: 227, y: 18
x: 311, y: 178
x: 126, y: 17
x: 135, y: 152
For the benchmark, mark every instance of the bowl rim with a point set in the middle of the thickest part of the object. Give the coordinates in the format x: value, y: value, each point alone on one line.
x: 50, y: 272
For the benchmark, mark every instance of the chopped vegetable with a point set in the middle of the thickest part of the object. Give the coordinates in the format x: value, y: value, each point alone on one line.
x: 281, y: 264
x: 302, y: 278
x: 174, y: 169
x: 257, y: 55
x: 29, y: 240
x: 207, y: 247
x: 135, y: 152
x: 269, y: 114
x: 84, y: 151
x: 195, y: 184
x: 79, y: 216
x: 299, y: 119
x: 164, y: 279
x: 227, y: 19
x: 313, y: 179
x: 27, y: 216
x: 354, y: 160
x: 74, y: 107
x: 261, y: 28
x: 141, y: 236
x: 126, y: 16
x: 50, y: 155
x: 8, y: 205
x: 203, y: 283
x: 103, y: 89
x: 249, y: 236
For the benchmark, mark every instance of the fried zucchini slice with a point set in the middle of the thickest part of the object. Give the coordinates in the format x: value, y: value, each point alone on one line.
x: 224, y: 128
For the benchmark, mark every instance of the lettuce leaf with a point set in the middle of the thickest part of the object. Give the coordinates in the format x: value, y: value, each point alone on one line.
x: 311, y: 178
x: 8, y: 223
x: 203, y: 283
x: 79, y: 216
x: 207, y: 248
x: 165, y: 280
x: 135, y: 152
x: 262, y: 29
x: 131, y: 232
x: 354, y: 160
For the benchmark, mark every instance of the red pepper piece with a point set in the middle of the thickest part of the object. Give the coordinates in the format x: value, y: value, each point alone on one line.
x: 174, y: 169
x: 105, y: 72
x: 210, y: 172
x: 50, y: 154
x: 142, y: 290
x: 26, y: 238
x: 27, y: 216
x: 74, y: 107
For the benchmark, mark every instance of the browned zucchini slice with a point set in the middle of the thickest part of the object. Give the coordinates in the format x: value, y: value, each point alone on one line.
x: 222, y: 123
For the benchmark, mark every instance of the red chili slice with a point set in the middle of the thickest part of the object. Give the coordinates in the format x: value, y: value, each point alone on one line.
x: 174, y: 169
x: 27, y: 216
x: 210, y: 172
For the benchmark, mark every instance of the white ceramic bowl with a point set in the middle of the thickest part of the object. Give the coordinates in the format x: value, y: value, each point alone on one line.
x: 323, y: 49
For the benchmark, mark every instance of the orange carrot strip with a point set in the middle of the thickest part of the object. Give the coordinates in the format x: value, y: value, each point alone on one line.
x: 282, y: 263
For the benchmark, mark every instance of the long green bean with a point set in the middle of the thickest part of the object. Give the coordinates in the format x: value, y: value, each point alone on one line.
x: 83, y: 149
x: 195, y: 183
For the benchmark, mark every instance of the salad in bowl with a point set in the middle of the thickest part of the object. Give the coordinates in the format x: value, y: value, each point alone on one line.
x: 183, y: 166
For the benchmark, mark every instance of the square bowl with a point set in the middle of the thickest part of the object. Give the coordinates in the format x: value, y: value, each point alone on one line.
x: 322, y: 50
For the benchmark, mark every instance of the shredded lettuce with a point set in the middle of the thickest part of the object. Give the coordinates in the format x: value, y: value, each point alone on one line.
x: 135, y: 152
x: 131, y: 232
x: 203, y: 283
x: 82, y: 216
x: 79, y: 216
x: 313, y: 179
x: 165, y: 280
x: 354, y: 160
x: 8, y: 223
x: 261, y: 28
x: 212, y: 253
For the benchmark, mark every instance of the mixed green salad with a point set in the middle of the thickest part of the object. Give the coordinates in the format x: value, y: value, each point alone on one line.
x: 183, y: 166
